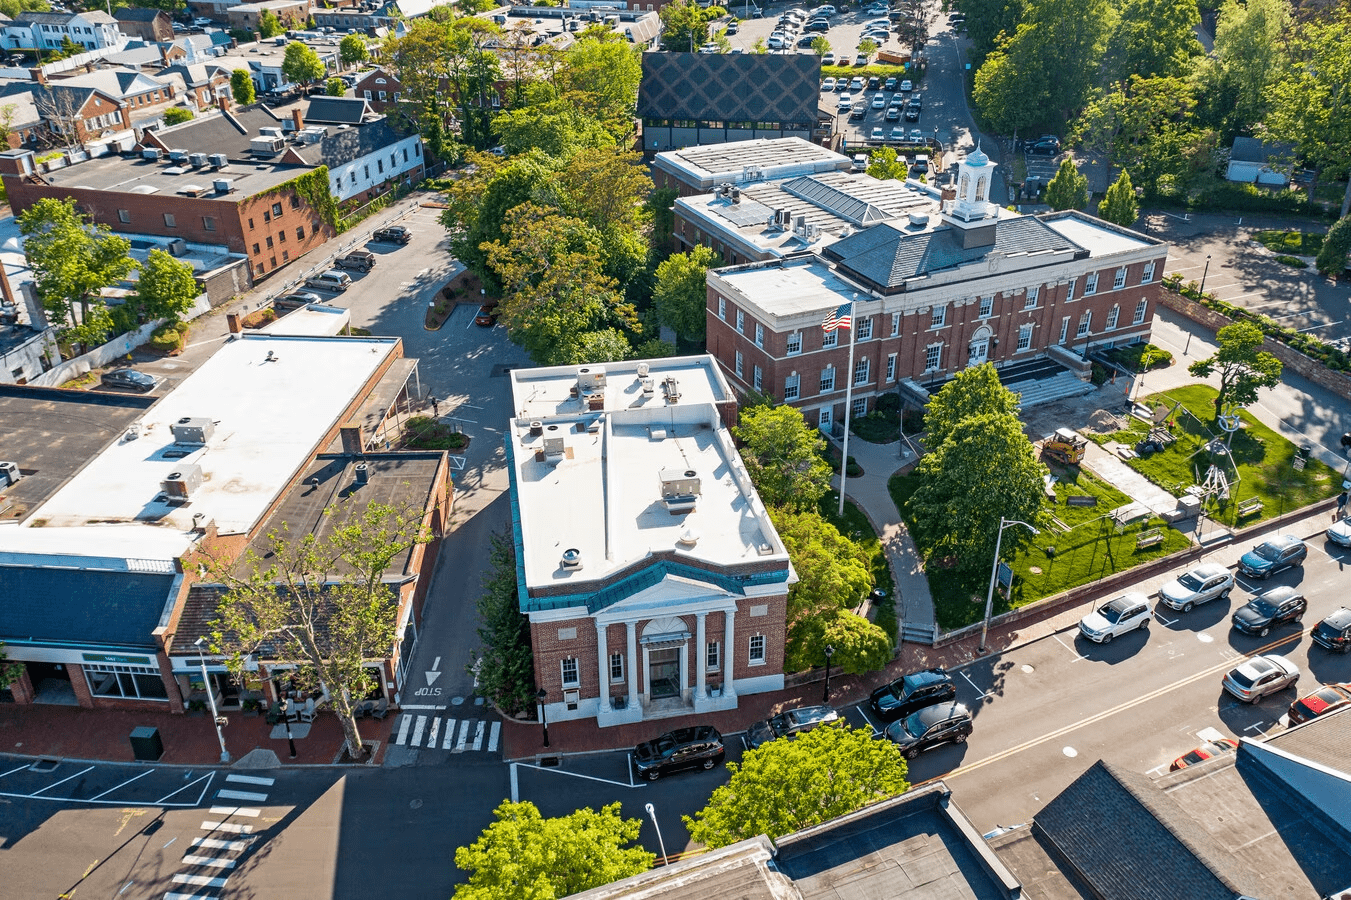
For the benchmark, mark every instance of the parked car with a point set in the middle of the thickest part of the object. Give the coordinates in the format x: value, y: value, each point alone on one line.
x: 828, y: 59
x: 1276, y: 607
x: 859, y: 110
x: 828, y: 86
x: 878, y: 134
x: 129, y: 379
x: 332, y: 280
x: 879, y: 101
x: 486, y: 316
x: 916, y: 102
x: 929, y: 727
x: 911, y: 114
x: 1208, y: 750
x: 893, y: 114
x: 856, y: 84
x: 300, y: 297
x: 789, y: 722
x: 699, y: 746
x: 1328, y: 698
x: 817, y: 25
x: 806, y: 40
x: 1334, y: 632
x: 890, y: 84
x: 921, y: 164
x: 361, y: 260
x: 1340, y: 533
x: 875, y: 83
x: 776, y: 42
x: 898, y: 133
x: 1044, y: 147
x: 916, y: 136
x: 1282, y: 551
x: 1200, y: 585
x: 860, y: 60
x: 1255, y: 678
x: 897, y: 101
x: 844, y: 102
x: 394, y: 234
x: 731, y: 29
x: 1116, y: 617
x: 906, y: 86
x: 910, y: 693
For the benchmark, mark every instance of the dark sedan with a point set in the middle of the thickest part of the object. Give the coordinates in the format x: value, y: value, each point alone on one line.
x: 1276, y: 607
x: 129, y: 379
x: 1334, y: 632
x: 699, y: 746
x: 1273, y: 555
x: 911, y: 692
x: 791, y: 722
x: 930, y: 727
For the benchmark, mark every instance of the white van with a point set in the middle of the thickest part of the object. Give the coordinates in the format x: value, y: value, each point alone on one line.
x: 332, y: 280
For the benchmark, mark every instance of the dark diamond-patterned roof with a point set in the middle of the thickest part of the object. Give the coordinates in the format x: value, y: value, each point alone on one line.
x: 731, y: 87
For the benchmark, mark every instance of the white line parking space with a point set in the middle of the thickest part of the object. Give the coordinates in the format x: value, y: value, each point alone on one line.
x: 110, y: 784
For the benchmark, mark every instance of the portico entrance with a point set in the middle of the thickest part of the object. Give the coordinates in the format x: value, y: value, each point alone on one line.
x: 663, y: 668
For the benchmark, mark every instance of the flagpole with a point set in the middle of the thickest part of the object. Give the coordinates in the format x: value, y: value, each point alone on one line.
x: 848, y: 404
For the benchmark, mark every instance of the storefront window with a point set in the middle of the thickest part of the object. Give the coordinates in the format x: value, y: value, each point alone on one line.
x: 134, y: 682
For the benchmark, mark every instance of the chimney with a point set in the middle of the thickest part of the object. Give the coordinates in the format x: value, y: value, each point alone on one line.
x: 232, y: 321
x: 223, y: 101
x: 38, y: 75
x: 949, y: 193
x: 351, y: 439
x: 298, y: 119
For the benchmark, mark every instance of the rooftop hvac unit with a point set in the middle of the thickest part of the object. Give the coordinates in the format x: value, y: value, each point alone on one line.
x: 679, y: 490
x: 736, y: 195
x: 642, y: 369
x: 591, y: 379
x: 152, y: 153
x: 219, y: 160
x: 223, y: 185
x: 193, y: 430
x: 555, y: 450
x: 649, y: 387
x: 196, y: 160
x: 270, y: 131
x: 571, y: 560
x: 267, y: 146
x: 178, y: 155
x: 182, y: 483
x: 9, y: 473
x: 671, y: 388
x: 800, y: 225
x: 177, y: 247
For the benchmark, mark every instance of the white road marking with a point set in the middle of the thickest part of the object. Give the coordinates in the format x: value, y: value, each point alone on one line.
x: 492, y: 737
x: 557, y: 771
x: 242, y: 795
x: 200, y: 880
x: 175, y: 895
x: 478, y: 736
x: 227, y: 826
x: 250, y: 779
x: 431, y: 706
x: 973, y: 684
x: 62, y: 781
x: 213, y: 862
x: 235, y: 811
x: 1077, y: 656
x: 871, y: 723
x: 464, y: 736
x: 416, y: 739
x: 449, y: 739
x: 123, y: 784
x: 431, y: 737
x: 1168, y: 622
x: 217, y: 844
x: 207, y: 778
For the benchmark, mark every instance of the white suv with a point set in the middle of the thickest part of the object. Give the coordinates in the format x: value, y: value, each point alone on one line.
x: 1126, y: 613
x: 1200, y: 585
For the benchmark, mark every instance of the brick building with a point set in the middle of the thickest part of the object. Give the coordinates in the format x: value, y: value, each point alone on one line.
x: 931, y: 298
x: 653, y: 579
x: 151, y: 25
x: 379, y: 88
x: 291, y: 13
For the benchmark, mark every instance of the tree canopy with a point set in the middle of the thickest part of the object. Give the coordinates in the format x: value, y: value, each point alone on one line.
x: 681, y: 294
x: 1119, y: 205
x: 1068, y: 189
x: 524, y: 855
x: 301, y: 64
x: 887, y: 163
x: 783, y: 457
x: 504, y: 665
x: 1332, y: 257
x: 684, y: 25
x: 352, y: 50
x: 1243, y: 366
x: 165, y: 289
x: 241, y: 86
x: 788, y: 785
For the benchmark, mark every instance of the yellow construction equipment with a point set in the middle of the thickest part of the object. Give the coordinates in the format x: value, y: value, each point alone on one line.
x: 1065, y: 446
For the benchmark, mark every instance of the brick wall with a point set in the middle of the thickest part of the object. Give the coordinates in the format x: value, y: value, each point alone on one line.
x: 772, y: 625
x: 80, y: 684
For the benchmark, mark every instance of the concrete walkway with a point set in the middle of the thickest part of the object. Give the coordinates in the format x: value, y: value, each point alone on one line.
x: 1112, y: 470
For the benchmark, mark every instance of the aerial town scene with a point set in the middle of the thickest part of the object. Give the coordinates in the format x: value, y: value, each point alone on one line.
x: 669, y: 450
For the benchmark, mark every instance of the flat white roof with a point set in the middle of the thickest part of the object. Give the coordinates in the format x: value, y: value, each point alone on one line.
x: 269, y: 417
x: 770, y: 158
x: 590, y: 480
x: 1098, y: 240
x: 545, y: 392
x: 314, y: 320
x: 791, y: 288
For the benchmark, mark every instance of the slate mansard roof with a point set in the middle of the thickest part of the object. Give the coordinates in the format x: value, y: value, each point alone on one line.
x: 727, y: 87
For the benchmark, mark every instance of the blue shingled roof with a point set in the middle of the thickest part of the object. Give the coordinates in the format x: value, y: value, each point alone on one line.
x: 81, y: 606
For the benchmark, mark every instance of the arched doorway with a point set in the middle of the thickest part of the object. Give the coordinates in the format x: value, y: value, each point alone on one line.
x: 979, y: 348
x: 664, y: 641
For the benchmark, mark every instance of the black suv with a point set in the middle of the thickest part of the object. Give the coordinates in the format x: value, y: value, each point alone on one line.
x: 1275, y: 607
x: 1334, y: 632
x: 684, y: 748
x: 394, y: 234
x: 1046, y: 144
x: 790, y: 722
x: 930, y: 727
x: 911, y: 692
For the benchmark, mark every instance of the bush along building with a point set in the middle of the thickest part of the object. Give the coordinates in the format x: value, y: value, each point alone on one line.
x: 653, y: 579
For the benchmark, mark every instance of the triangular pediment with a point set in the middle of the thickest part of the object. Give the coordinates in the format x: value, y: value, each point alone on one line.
x: 672, y: 592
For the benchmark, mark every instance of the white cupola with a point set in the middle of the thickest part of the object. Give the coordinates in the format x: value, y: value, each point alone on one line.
x: 971, y: 210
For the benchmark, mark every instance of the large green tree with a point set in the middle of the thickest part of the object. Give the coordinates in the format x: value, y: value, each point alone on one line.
x: 1243, y: 366
x: 165, y: 289
x: 352, y: 50
x: 986, y: 20
x: 301, y: 65
x: 783, y: 456
x: 979, y: 468
x: 504, y: 665
x: 319, y: 602
x: 73, y: 260
x: 1119, y: 205
x: 886, y: 163
x: 1332, y: 258
x: 681, y: 294
x: 1068, y: 189
x: 684, y: 25
x: 526, y: 856
x: 1249, y: 57
x: 973, y: 392
x: 1153, y: 38
x: 786, y: 786
x: 269, y: 26
x: 241, y: 87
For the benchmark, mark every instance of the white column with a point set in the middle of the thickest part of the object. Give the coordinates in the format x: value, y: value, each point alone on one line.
x: 700, y: 656
x: 602, y: 651
x: 633, y: 666
x: 728, y: 652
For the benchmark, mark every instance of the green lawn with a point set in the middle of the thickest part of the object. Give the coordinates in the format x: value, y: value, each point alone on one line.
x: 855, y: 525
x: 1295, y: 243
x: 1265, y: 460
x: 1077, y: 545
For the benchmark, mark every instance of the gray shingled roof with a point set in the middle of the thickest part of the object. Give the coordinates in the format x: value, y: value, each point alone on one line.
x: 81, y: 606
x: 336, y: 110
x: 1130, y: 841
x: 731, y: 87
x: 887, y: 255
x: 136, y: 14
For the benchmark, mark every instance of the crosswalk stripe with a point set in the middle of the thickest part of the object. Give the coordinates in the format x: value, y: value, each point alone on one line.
x: 200, y: 880
x: 404, y: 721
x: 464, y: 736
x: 478, y: 736
x: 235, y: 811
x: 175, y: 895
x: 492, y: 737
x: 450, y: 734
x: 250, y: 779
x: 417, y: 732
x: 241, y: 795
x: 227, y: 826
x: 218, y: 844
x: 215, y: 862
x: 431, y: 738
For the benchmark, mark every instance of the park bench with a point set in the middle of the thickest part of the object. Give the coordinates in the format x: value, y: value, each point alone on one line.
x: 1149, y: 538
x: 1250, y: 507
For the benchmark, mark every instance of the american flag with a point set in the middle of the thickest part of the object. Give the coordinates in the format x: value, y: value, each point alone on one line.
x: 838, y: 318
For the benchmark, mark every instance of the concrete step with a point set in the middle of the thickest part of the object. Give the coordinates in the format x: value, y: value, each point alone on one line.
x: 1047, y: 390
x: 917, y: 633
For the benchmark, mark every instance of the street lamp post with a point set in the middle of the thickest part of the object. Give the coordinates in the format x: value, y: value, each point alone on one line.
x: 290, y: 738
x: 1204, y: 273
x: 543, y: 713
x: 830, y: 651
x: 652, y: 814
x: 994, y: 572
x: 211, y: 699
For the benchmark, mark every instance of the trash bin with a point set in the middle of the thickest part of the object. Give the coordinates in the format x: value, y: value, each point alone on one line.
x: 146, y: 745
x: 1305, y: 450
